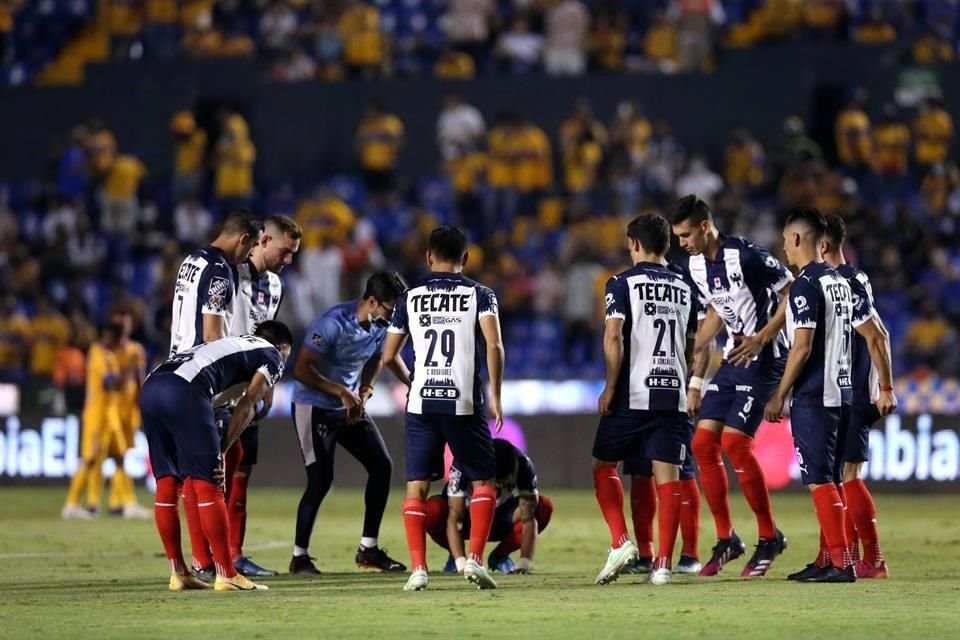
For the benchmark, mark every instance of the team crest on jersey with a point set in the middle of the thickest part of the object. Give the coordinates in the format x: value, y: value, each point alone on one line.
x: 317, y: 340
x: 717, y: 282
x: 218, y: 286
x: 424, y: 320
x: 261, y: 297
x: 650, y: 309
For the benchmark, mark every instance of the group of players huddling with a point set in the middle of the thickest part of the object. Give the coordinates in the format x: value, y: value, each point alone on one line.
x: 200, y: 407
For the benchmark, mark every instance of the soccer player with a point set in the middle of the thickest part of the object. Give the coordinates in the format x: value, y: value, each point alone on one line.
x: 520, y: 517
x: 820, y: 321
x: 185, y: 443
x: 651, y: 323
x: 739, y: 283
x: 335, y: 373
x: 259, y: 294
x: 449, y: 318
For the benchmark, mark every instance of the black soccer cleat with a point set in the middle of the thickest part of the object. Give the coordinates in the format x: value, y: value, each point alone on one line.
x: 726, y: 550
x: 766, y: 552
x: 207, y: 574
x: 638, y: 566
x: 376, y: 559
x: 805, y: 574
x: 303, y: 566
x: 831, y: 574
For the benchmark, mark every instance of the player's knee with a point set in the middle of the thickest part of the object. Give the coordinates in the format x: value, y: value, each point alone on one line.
x: 544, y: 512
x: 705, y: 444
x: 852, y: 471
x: 737, y: 446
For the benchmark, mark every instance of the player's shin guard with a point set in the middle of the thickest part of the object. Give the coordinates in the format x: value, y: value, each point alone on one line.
x: 864, y: 515
x: 609, y: 492
x: 643, y: 507
x: 823, y: 556
x: 713, y: 478
x: 167, y: 519
x: 829, y: 508
x: 482, y: 507
x: 739, y: 449
x: 213, y: 519
x: 237, y: 510
x: 415, y: 524
x: 668, y: 522
x: 849, y: 527
x: 199, y: 547
x: 690, y: 517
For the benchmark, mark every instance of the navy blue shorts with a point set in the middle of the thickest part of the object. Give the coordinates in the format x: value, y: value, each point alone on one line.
x: 655, y: 435
x: 815, y: 432
x: 640, y: 465
x: 468, y: 437
x: 181, y: 431
x: 502, y: 520
x: 856, y: 441
x: 736, y: 395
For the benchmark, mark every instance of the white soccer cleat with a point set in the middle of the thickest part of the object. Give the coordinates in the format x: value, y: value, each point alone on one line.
x: 478, y: 575
x: 75, y: 512
x: 660, y: 577
x: 616, y: 560
x: 137, y: 512
x: 417, y: 581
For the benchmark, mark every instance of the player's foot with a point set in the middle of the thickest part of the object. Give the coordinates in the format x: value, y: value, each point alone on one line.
x: 688, y: 565
x: 187, y: 582
x: 617, y: 559
x: 115, y: 512
x: 207, y: 574
x: 830, y: 573
x: 504, y: 565
x: 377, y: 559
x: 237, y: 583
x: 303, y: 566
x: 94, y: 512
x: 417, y: 581
x: 766, y: 552
x: 251, y: 569
x: 660, y: 577
x: 872, y: 572
x: 726, y: 550
x: 137, y: 512
x: 474, y: 572
x: 75, y: 512
x: 806, y: 573
x: 451, y: 566
x: 638, y: 566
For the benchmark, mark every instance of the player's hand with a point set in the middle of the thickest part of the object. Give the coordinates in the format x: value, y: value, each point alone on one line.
x: 353, y: 404
x: 606, y: 401
x: 366, y: 392
x: 774, y: 409
x: 886, y: 403
x: 497, y: 410
x: 693, y: 402
x: 746, y: 349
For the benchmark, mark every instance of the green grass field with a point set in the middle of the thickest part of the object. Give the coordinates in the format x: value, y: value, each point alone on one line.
x: 107, y: 579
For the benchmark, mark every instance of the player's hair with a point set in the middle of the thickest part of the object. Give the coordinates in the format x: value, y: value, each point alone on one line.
x: 836, y: 232
x: 286, y: 224
x: 110, y: 326
x: 810, y: 217
x: 240, y: 222
x: 690, y: 208
x: 274, y: 332
x: 506, y: 457
x: 384, y: 286
x: 448, y: 243
x: 652, y: 231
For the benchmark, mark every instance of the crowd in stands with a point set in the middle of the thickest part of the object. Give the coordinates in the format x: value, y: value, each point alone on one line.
x: 333, y: 39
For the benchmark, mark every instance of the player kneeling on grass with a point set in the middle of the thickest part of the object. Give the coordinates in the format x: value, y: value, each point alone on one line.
x: 651, y: 323
x: 521, y: 513
x: 185, y: 445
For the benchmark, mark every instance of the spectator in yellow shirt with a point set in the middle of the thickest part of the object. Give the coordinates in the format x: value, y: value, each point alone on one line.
x: 744, y: 161
x: 378, y: 141
x: 608, y: 42
x: 365, y: 48
x: 852, y: 134
x: 532, y: 165
x: 933, y: 129
x: 660, y: 42
x: 49, y: 332
x: 14, y: 340
x: 876, y: 30
x: 932, y: 48
x: 101, y: 150
x: 121, y: 207
x: 326, y: 220
x: 234, y: 157
x: 582, y: 142
x: 891, y: 142
x: 455, y: 65
x: 190, y: 148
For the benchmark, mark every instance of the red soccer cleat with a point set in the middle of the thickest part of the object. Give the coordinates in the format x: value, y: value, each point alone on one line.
x: 868, y: 571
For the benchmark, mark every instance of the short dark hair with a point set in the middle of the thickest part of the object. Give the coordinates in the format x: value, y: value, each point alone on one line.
x: 690, y: 208
x: 274, y: 332
x: 810, y: 217
x: 286, y: 224
x: 240, y: 222
x: 384, y: 285
x: 652, y: 231
x: 448, y: 243
x: 836, y: 229
x: 110, y: 326
x: 506, y: 457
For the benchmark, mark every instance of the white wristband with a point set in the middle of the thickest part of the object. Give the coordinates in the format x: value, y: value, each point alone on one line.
x: 696, y: 382
x: 525, y: 564
x: 461, y: 563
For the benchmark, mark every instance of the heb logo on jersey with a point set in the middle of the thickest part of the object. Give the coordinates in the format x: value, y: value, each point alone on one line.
x: 439, y: 390
x: 663, y: 378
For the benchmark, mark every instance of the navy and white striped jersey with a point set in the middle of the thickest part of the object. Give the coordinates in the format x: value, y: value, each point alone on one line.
x: 659, y: 313
x: 206, y: 285
x: 866, y: 380
x: 821, y: 300
x: 741, y: 285
x: 258, y: 299
x: 218, y: 366
x: 442, y: 317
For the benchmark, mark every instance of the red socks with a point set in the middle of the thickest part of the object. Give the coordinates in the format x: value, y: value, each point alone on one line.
x: 829, y: 507
x: 643, y: 506
x: 482, y: 506
x: 436, y: 521
x: 823, y: 557
x: 167, y: 518
x: 690, y: 517
x: 237, y: 509
x: 198, y: 541
x: 609, y: 491
x: 514, y: 540
x: 713, y: 478
x: 668, y: 521
x: 415, y: 523
x: 863, y: 512
x: 739, y: 449
x: 213, y: 518
x: 849, y: 528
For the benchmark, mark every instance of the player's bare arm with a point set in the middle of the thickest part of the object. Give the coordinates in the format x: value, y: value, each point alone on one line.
x: 457, y: 507
x: 490, y: 327
x: 799, y: 354
x: 392, y: 347
x: 704, y: 345
x: 246, y: 409
x: 613, y: 357
x: 399, y: 369
x: 528, y: 539
x: 749, y: 347
x: 305, y: 372
x: 214, y: 327
x: 265, y: 406
x: 878, y: 343
x: 368, y: 378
